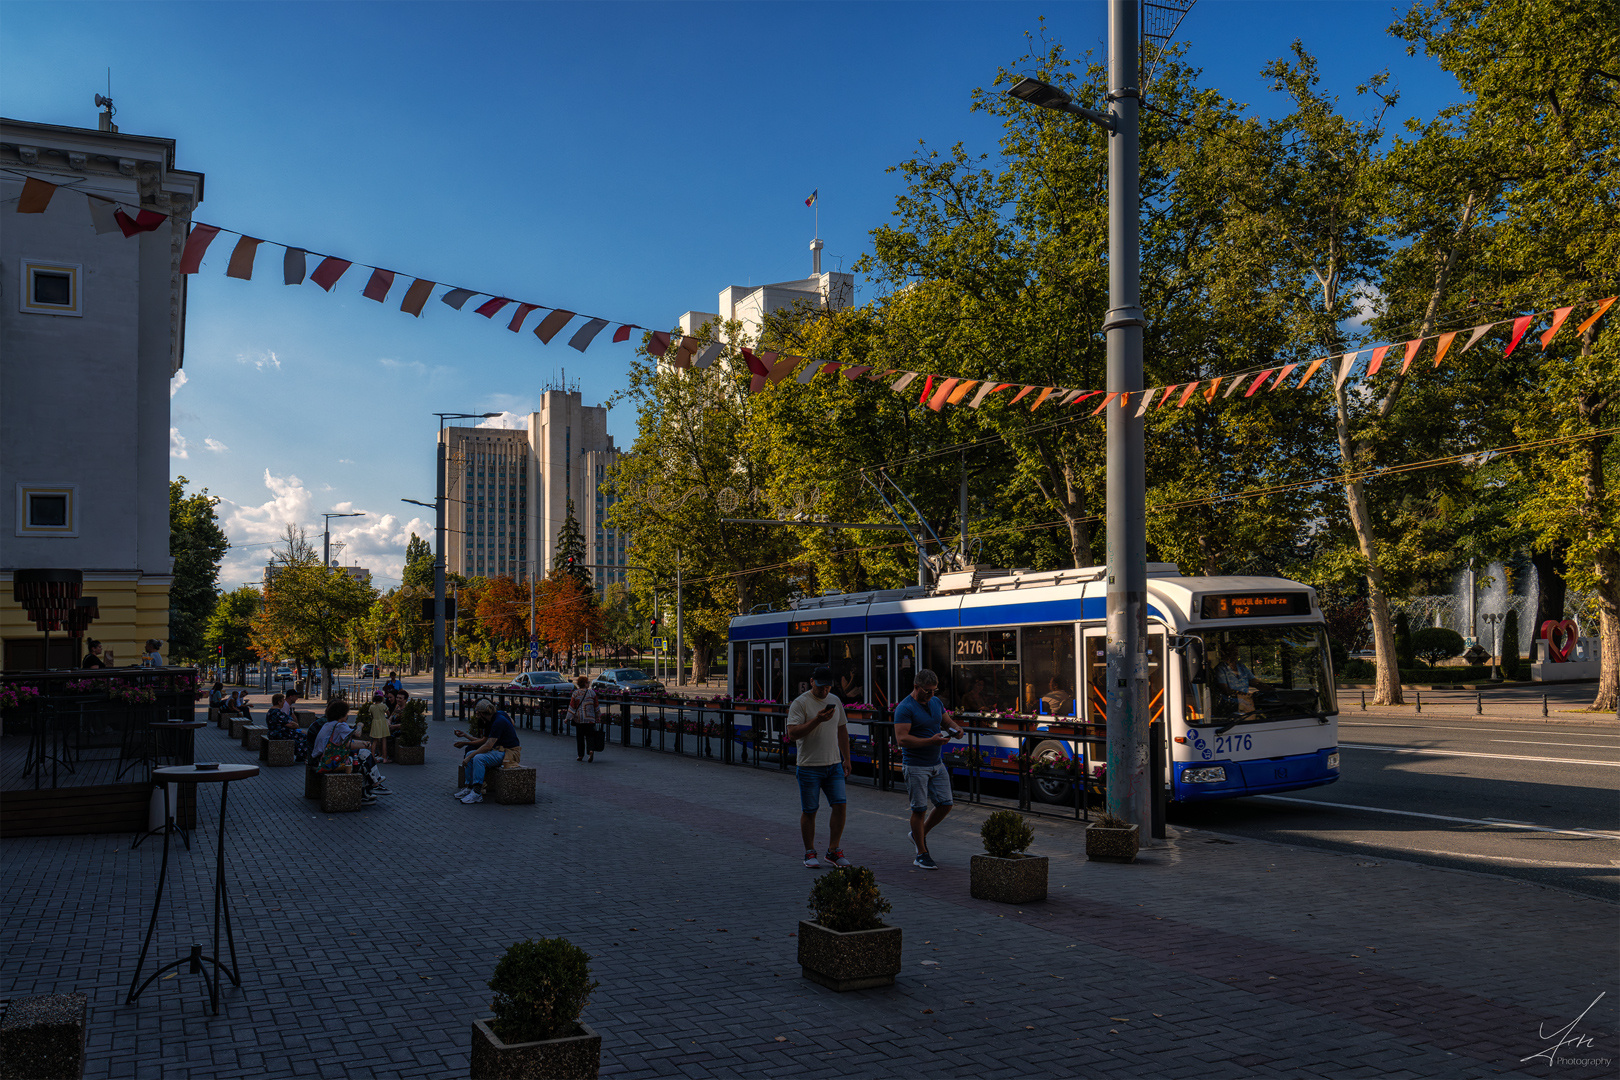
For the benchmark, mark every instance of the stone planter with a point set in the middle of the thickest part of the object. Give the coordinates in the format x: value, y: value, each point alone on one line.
x: 1111, y: 845
x: 42, y: 1037
x: 409, y: 755
x: 575, y: 1057
x: 1020, y: 879
x: 849, y: 960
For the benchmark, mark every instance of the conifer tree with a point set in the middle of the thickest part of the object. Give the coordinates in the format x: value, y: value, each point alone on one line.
x: 571, y: 543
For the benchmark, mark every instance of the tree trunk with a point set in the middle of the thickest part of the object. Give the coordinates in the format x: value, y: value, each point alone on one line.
x: 1387, y: 688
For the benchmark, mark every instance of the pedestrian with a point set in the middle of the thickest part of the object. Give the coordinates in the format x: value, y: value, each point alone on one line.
x: 152, y: 657
x: 484, y: 752
x: 582, y: 711
x: 282, y: 723
x: 920, y: 727
x: 816, y: 721
x: 393, y: 682
x: 92, y: 659
x: 378, y: 727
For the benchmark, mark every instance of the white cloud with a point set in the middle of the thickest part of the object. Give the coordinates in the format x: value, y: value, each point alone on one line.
x: 215, y: 445
x: 510, y: 421
x: 345, y: 461
x: 177, y: 382
x: 266, y: 360
x: 414, y: 368
x: 1366, y: 302
x: 177, y: 444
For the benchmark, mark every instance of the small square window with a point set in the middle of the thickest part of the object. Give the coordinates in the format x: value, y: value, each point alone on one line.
x: 50, y: 288
x: 47, y: 510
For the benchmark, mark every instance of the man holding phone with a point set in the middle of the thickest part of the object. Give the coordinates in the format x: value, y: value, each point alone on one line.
x: 922, y: 727
x: 816, y: 721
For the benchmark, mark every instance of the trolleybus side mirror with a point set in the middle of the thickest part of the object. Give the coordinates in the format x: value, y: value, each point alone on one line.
x: 1192, y: 656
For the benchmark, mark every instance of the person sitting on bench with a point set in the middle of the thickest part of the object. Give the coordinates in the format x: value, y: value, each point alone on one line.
x: 490, y: 751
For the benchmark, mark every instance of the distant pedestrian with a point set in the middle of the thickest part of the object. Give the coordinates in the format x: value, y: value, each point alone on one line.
x: 582, y: 711
x: 377, y: 727
x: 152, y: 657
x: 922, y: 728
x: 484, y: 752
x: 92, y: 659
x: 393, y: 682
x: 816, y: 721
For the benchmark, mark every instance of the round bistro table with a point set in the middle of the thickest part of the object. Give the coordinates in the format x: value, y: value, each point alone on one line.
x: 190, y: 774
x: 182, y: 740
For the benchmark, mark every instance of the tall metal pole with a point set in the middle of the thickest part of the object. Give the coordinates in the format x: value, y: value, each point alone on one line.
x: 680, y: 634
x: 1129, y: 791
x: 438, y: 579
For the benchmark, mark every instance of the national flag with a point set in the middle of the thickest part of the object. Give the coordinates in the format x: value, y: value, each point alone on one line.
x: 811, y: 201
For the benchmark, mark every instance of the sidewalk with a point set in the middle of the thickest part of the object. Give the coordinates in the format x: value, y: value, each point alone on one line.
x: 367, y: 940
x: 1565, y: 703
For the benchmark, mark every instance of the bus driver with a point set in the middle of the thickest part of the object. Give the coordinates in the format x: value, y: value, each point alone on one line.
x: 1234, y: 679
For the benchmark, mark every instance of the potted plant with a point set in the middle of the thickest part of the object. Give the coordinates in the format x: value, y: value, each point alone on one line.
x: 846, y: 946
x: 1005, y: 873
x: 1109, y: 839
x: 540, y: 989
x: 410, y: 744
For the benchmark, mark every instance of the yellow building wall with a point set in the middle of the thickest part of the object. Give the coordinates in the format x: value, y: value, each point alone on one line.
x: 131, y: 612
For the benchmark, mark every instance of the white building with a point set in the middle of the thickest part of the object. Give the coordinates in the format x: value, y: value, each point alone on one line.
x: 749, y: 304
x: 93, y: 327
x: 508, y: 492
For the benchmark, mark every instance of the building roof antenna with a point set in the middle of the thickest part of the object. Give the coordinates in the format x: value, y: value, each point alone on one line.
x: 105, y: 101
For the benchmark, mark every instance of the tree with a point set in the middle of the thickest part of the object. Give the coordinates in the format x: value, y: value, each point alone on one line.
x: 1510, y: 658
x: 570, y: 555
x: 307, y: 607
x: 566, y: 615
x: 231, y: 626
x: 197, y: 544
x: 503, y: 610
x: 1433, y: 644
x: 418, y: 563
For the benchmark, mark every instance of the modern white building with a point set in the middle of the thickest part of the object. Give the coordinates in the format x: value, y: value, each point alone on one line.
x: 93, y: 326
x: 508, y: 492
x: 749, y: 304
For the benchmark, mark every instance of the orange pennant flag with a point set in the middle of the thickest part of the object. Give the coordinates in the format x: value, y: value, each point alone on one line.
x: 1112, y: 394
x: 1445, y: 343
x: 1310, y: 371
x: 242, y: 258
x: 1167, y: 392
x: 416, y: 296
x: 1412, y: 348
x: 1046, y: 393
x: 937, y: 402
x: 961, y: 391
x: 1019, y: 396
x: 1377, y: 360
x: 1594, y: 317
x: 1209, y: 395
x: 36, y: 196
x: 1558, y: 320
x: 1186, y: 395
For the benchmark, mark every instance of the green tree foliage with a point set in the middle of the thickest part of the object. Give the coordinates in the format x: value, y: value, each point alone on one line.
x: 571, y: 545
x: 197, y: 544
x: 307, y: 607
x: 1511, y: 659
x: 418, y: 563
x: 230, y: 626
x: 1433, y: 644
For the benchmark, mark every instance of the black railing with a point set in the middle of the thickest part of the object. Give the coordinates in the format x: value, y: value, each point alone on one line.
x: 1028, y: 762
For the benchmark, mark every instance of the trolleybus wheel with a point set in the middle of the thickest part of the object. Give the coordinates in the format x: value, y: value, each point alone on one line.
x: 1046, y: 789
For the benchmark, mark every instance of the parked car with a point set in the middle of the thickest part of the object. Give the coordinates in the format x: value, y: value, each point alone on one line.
x: 531, y: 680
x: 632, y: 679
x: 368, y: 671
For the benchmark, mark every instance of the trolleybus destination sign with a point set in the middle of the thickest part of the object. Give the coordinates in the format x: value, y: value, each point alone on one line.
x: 1255, y: 605
x: 811, y: 626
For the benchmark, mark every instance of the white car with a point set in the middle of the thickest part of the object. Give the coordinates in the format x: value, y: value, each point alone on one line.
x: 533, y: 680
x: 284, y: 674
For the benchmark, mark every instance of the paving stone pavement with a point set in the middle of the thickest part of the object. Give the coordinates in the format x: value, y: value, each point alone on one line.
x: 366, y: 941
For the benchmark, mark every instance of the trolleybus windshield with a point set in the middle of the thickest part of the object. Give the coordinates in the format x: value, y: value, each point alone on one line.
x: 1256, y: 674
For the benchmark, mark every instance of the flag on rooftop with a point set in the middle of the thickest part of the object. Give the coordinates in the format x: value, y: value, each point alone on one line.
x: 811, y: 201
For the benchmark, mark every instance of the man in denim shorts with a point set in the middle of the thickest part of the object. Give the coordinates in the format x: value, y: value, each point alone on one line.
x: 922, y: 727
x: 816, y: 721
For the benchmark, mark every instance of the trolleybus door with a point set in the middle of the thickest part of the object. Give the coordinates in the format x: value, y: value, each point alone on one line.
x: 778, y: 671
x: 892, y: 664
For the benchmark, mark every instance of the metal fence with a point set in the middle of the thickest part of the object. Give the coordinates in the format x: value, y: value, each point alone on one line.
x: 1035, y: 778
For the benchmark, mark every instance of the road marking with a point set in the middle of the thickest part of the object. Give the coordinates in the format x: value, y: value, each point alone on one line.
x: 1555, y: 864
x: 1493, y: 731
x: 1585, y: 834
x: 1530, y: 742
x: 1470, y: 753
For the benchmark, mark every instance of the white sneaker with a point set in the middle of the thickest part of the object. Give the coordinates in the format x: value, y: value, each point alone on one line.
x: 462, y: 794
x: 472, y: 797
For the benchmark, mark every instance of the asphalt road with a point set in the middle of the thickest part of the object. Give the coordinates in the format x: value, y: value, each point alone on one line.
x: 1522, y: 798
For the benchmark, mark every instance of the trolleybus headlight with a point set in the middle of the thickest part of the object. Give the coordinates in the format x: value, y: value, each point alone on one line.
x: 1333, y: 761
x: 1215, y: 774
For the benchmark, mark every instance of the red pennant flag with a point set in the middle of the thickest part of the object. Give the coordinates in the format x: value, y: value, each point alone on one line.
x: 522, y: 313
x: 292, y: 266
x: 196, y: 245
x: 145, y: 221
x: 829, y: 368
x: 1259, y: 380
x: 928, y: 389
x: 416, y: 296
x: 377, y: 288
x: 1281, y: 375
x: 658, y: 345
x: 1445, y: 343
x: 242, y: 258
x: 36, y: 196
x: 1186, y: 395
x: 1377, y: 360
x: 551, y: 324
x: 1594, y: 317
x: 755, y: 364
x: 853, y: 373
x: 622, y: 333
x: 1082, y: 395
x: 326, y: 275
x: 1111, y: 396
x: 1412, y: 348
x: 1167, y: 392
x: 489, y: 307
x: 1520, y: 325
x: 1558, y: 320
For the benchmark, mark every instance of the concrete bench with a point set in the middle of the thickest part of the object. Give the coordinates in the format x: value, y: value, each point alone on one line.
x: 237, y: 723
x: 512, y: 786
x: 252, y: 734
x: 276, y: 752
x: 215, y: 717
x: 336, y: 792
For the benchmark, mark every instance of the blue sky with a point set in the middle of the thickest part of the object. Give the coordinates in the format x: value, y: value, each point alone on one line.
x: 625, y: 160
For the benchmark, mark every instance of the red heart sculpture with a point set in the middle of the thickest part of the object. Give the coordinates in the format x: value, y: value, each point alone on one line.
x: 1560, y: 639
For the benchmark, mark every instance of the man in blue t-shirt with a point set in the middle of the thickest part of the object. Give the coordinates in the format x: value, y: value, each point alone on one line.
x: 922, y: 727
x: 485, y: 753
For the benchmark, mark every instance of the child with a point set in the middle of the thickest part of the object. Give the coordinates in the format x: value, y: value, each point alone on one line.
x: 377, y: 728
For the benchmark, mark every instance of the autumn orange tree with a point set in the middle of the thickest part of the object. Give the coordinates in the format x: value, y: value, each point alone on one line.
x: 567, y: 615
x: 503, y: 611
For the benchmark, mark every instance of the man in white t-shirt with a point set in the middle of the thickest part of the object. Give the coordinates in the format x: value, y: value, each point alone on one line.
x: 816, y: 721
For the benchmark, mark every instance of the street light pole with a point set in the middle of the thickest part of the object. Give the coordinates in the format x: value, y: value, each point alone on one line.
x: 1129, y: 783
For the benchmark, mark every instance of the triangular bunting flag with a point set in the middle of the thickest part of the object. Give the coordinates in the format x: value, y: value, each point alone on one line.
x: 985, y: 391
x: 551, y: 325
x: 1259, y: 381
x: 242, y: 258
x: 517, y: 318
x: 1147, y: 396
x: 1233, y: 385
x: 903, y: 381
x: 377, y: 288
x: 416, y: 296
x: 326, y: 275
x: 1186, y: 395
x: 587, y: 333
x: 1377, y: 361
x: 1345, y: 365
x: 1412, y: 348
x: 1479, y: 332
x: 196, y: 246
x: 1112, y: 394
x: 1082, y: 395
x: 622, y: 333
x: 457, y: 298
x: 1594, y: 317
x: 1520, y: 325
x: 144, y: 221
x: 36, y: 196
x: 1019, y: 396
x: 1318, y: 362
x: 1445, y: 343
x: 1281, y: 375
x: 103, y: 214
x: 1167, y: 392
x: 1215, y: 384
x: 1044, y: 394
x: 1558, y: 320
x: 292, y: 266
x: 961, y: 391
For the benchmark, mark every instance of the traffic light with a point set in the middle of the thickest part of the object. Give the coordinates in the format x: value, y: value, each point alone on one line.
x: 570, y: 562
x: 220, y: 649
x: 653, y: 623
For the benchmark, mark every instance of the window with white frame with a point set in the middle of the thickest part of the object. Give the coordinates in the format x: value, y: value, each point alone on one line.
x: 51, y: 288
x: 47, y: 510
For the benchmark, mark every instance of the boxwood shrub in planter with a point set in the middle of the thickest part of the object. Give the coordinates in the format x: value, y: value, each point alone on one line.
x: 540, y: 989
x: 847, y: 946
x: 410, y: 745
x: 1005, y: 872
x: 1109, y: 839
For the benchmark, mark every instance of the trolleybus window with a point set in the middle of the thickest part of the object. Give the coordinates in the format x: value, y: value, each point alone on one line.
x: 936, y: 658
x: 1267, y: 673
x: 804, y: 656
x: 848, y: 669
x: 1048, y: 670
x: 739, y: 669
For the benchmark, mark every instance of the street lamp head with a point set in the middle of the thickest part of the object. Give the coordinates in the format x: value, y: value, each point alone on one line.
x: 1038, y: 93
x: 418, y: 502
